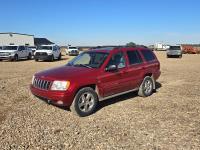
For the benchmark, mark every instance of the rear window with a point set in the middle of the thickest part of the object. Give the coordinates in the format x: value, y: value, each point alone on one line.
x: 134, y: 57
x: 148, y: 55
x: 175, y: 48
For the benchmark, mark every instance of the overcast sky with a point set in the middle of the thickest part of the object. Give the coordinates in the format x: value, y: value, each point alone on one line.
x: 104, y: 22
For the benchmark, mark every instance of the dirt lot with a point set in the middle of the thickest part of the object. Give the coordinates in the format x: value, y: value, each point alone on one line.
x: 169, y: 119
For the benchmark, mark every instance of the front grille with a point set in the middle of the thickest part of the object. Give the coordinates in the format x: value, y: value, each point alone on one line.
x: 74, y: 51
x: 4, y: 54
x: 41, y: 84
x: 41, y: 54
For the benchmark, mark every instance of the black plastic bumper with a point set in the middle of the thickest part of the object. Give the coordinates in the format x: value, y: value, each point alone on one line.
x: 43, y: 57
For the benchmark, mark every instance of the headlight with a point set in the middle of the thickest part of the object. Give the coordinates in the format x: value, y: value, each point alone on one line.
x: 49, y: 53
x: 33, y: 78
x: 60, y: 85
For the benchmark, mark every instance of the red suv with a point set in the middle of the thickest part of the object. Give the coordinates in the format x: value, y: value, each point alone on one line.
x: 97, y: 75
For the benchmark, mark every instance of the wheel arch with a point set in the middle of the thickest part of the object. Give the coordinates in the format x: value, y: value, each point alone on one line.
x: 93, y: 86
x: 151, y: 76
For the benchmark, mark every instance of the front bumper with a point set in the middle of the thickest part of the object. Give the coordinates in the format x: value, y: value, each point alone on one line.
x: 43, y: 57
x: 73, y: 53
x: 58, y: 98
x: 6, y: 57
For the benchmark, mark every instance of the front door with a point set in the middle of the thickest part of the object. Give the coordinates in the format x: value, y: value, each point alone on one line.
x: 113, y: 82
x: 21, y: 52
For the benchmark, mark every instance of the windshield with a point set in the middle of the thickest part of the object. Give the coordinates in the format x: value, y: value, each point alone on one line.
x: 9, y: 48
x: 32, y: 47
x: 72, y: 48
x: 89, y: 60
x: 45, y: 47
x: 175, y: 48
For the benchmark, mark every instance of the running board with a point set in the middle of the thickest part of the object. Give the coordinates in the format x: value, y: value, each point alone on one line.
x: 115, y: 95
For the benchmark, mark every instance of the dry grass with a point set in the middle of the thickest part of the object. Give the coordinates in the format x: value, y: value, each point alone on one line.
x: 169, y: 119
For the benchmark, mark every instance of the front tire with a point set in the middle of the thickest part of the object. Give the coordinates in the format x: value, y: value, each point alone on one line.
x: 146, y: 88
x: 16, y: 58
x: 52, y: 58
x: 59, y: 57
x: 85, y: 102
x: 29, y: 56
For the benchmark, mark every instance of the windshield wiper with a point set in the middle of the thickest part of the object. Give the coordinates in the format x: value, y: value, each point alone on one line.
x: 83, y: 65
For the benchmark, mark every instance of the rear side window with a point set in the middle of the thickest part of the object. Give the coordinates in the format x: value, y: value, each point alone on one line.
x: 148, y: 55
x: 134, y: 57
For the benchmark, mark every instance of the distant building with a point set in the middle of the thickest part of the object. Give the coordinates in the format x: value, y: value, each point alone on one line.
x: 10, y: 38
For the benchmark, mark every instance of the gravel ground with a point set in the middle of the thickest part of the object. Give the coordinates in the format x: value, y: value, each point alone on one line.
x: 169, y: 119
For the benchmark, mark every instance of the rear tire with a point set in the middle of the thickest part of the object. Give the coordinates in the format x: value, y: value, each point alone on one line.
x: 36, y: 59
x: 85, y: 102
x: 147, y: 87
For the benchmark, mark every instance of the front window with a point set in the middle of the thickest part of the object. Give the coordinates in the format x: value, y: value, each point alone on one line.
x: 9, y: 47
x: 118, y: 60
x: 45, y: 47
x: 175, y: 48
x: 89, y: 60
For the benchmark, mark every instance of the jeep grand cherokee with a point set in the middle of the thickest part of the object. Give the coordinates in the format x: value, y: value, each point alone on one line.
x: 97, y: 75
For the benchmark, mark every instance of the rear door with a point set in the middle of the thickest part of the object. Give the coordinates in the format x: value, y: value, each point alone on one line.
x: 135, y: 70
x: 113, y: 82
x: 152, y: 64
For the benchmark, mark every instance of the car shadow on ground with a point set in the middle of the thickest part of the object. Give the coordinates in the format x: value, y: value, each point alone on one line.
x: 20, y: 60
x: 124, y: 97
x: 111, y: 101
x: 55, y: 60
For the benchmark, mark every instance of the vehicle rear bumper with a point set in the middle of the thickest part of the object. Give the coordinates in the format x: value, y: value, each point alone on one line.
x: 157, y: 75
x: 54, y: 97
x: 40, y: 57
x: 174, y: 53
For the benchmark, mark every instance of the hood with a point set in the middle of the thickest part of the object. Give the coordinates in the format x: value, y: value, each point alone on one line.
x: 67, y: 73
x: 7, y: 51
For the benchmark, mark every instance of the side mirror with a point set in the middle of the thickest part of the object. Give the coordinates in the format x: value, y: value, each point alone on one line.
x: 111, y: 68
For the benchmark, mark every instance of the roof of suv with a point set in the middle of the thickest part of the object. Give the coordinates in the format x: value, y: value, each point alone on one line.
x: 109, y: 49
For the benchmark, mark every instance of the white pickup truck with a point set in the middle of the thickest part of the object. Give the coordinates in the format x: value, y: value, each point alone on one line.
x: 15, y: 52
x: 47, y: 52
x: 72, y: 51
